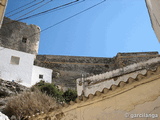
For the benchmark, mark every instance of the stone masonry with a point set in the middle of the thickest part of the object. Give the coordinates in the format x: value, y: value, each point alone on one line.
x: 66, y: 69
x: 19, y: 36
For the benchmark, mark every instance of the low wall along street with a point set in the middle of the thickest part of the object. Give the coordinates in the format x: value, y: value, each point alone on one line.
x: 139, y: 99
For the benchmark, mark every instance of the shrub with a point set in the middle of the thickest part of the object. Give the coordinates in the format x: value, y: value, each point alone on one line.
x: 29, y: 103
x: 70, y: 95
x: 51, y: 90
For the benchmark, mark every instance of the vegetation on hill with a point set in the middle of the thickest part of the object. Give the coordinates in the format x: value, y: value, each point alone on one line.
x: 29, y: 103
x: 52, y: 90
x: 41, y: 98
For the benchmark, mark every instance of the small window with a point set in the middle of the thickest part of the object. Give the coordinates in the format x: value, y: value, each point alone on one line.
x: 15, y: 60
x: 24, y: 40
x: 40, y: 76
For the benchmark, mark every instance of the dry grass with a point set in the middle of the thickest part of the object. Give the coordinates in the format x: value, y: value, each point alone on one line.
x: 29, y: 103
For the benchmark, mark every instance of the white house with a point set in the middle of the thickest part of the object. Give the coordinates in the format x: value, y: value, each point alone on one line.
x: 18, y: 66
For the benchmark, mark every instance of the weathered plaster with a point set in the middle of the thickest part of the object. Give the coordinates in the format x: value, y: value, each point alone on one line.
x: 98, y: 82
x: 142, y: 96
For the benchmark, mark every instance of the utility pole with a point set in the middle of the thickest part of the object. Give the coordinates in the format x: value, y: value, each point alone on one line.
x: 3, y: 5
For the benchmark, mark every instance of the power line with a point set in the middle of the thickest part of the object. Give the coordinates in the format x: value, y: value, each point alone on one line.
x: 73, y: 16
x: 34, y: 9
x: 52, y: 9
x: 55, y: 8
x: 26, y: 8
x: 20, y: 7
x: 69, y: 17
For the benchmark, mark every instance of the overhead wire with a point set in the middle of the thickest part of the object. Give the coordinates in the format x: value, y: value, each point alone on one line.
x: 73, y: 16
x: 20, y: 7
x: 69, y: 17
x: 53, y: 9
x: 26, y: 8
x: 34, y: 9
x: 50, y: 10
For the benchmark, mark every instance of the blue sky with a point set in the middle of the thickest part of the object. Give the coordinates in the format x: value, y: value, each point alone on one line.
x: 111, y: 27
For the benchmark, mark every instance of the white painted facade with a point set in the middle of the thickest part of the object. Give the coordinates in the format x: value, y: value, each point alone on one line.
x: 18, y: 66
x: 40, y: 71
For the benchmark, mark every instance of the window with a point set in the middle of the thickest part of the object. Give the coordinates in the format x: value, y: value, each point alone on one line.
x: 24, y: 39
x: 40, y: 76
x: 15, y: 60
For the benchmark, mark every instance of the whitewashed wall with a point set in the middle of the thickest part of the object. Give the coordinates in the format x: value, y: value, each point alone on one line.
x: 36, y: 71
x: 154, y: 10
x: 22, y: 72
x: 97, y: 82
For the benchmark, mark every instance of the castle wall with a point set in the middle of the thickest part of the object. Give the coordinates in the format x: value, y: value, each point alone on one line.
x: 19, y: 36
x: 66, y: 69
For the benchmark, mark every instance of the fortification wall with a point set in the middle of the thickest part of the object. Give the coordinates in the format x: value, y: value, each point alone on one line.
x: 138, y: 99
x: 19, y: 36
x: 66, y: 69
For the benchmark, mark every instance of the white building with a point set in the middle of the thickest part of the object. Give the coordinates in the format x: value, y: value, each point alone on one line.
x: 18, y: 66
x: 154, y: 10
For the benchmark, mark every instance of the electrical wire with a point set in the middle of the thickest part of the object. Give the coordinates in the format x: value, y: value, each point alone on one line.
x: 55, y: 8
x: 69, y: 17
x: 52, y: 9
x: 20, y: 7
x: 34, y: 9
x: 73, y: 16
x: 26, y: 8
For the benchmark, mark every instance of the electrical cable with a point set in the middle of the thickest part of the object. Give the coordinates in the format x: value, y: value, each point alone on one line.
x: 69, y: 17
x: 73, y: 16
x: 55, y: 8
x: 52, y: 9
x: 34, y: 9
x: 20, y: 7
x: 26, y: 8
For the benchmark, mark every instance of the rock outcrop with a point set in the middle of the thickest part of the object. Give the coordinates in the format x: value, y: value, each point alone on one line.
x: 8, y: 89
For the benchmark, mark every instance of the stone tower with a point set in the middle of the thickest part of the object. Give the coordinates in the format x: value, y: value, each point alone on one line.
x: 19, y: 36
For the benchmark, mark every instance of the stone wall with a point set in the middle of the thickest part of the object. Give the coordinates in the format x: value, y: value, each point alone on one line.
x: 66, y: 69
x: 19, y: 36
